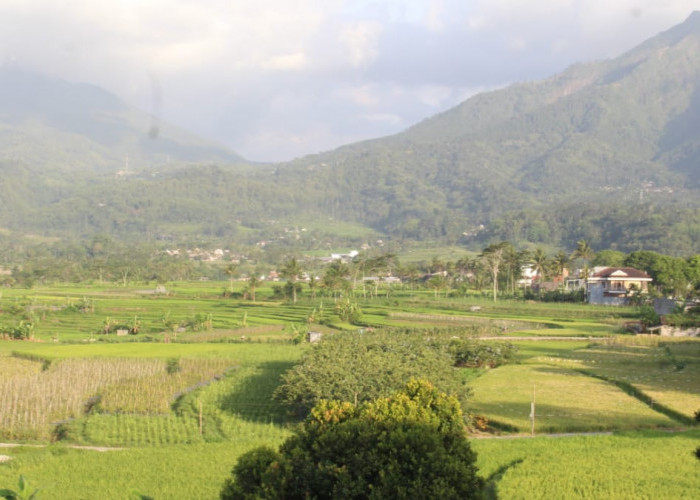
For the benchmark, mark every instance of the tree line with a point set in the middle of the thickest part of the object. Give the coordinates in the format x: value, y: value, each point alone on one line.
x: 495, y: 270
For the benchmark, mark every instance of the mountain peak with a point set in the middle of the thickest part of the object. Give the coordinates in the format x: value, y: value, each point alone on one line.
x: 689, y: 27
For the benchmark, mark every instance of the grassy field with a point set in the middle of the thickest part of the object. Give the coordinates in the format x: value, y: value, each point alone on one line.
x: 636, y: 465
x: 182, y: 411
x: 650, y: 465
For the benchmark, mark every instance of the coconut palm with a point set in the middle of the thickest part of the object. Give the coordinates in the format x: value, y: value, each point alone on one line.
x: 231, y: 272
x: 560, y: 263
x: 291, y: 272
x: 585, y: 253
x: 492, y: 258
x: 540, y: 263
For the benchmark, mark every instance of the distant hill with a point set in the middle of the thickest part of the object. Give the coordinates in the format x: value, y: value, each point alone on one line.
x: 608, y: 151
x: 47, y: 121
x: 586, y: 153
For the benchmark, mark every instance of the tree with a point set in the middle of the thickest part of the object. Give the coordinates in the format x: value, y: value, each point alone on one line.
x: 560, y: 263
x: 336, y: 274
x: 437, y: 282
x: 291, y: 272
x: 513, y: 261
x: 231, y: 272
x: 610, y: 258
x: 585, y: 253
x: 253, y: 282
x: 409, y: 445
x: 492, y: 257
x: 360, y: 367
x: 540, y: 264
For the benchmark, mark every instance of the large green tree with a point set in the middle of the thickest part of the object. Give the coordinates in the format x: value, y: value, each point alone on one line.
x: 357, y: 368
x: 409, y: 445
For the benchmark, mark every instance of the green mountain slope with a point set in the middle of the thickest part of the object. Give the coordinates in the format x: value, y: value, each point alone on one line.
x: 601, y: 141
x: 83, y: 128
x: 608, y: 151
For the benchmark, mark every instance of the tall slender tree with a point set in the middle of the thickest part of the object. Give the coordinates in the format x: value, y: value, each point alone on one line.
x: 540, y: 263
x: 492, y: 258
x: 585, y: 253
x: 560, y: 263
x: 231, y: 272
x: 291, y: 272
x: 253, y: 282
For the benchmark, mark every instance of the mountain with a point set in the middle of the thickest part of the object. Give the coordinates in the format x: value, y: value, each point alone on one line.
x: 81, y: 127
x: 609, y: 142
x: 608, y: 151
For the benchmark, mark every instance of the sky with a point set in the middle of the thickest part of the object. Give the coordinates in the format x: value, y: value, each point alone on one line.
x: 280, y: 79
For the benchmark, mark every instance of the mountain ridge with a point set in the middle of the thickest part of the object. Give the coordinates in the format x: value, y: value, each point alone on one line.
x: 608, y: 151
x: 45, y: 107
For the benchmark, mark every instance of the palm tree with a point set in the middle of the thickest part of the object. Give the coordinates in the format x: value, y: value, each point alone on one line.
x: 253, y: 282
x: 560, y: 262
x: 231, y: 271
x: 313, y: 282
x: 540, y: 263
x: 291, y: 272
x: 584, y: 252
x: 437, y: 282
x: 492, y: 258
x: 514, y: 261
x: 334, y: 276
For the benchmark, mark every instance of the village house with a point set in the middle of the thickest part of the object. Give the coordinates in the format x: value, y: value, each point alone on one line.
x: 615, y: 285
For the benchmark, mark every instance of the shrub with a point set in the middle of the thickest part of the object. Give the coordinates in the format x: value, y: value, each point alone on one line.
x: 409, y: 445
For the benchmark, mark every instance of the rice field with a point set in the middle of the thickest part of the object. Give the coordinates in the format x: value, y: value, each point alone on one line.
x: 182, y: 412
x: 565, y: 401
x: 32, y: 404
x: 668, y: 372
x: 639, y: 465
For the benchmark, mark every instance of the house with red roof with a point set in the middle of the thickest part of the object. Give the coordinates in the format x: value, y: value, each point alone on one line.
x: 615, y: 285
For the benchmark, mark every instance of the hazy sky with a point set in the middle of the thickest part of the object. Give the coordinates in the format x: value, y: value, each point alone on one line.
x: 277, y: 79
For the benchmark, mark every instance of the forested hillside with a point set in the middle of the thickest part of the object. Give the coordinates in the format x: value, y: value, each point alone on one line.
x: 605, y: 151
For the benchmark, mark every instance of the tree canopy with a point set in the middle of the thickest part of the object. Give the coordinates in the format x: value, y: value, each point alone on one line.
x: 411, y: 444
x: 358, y: 367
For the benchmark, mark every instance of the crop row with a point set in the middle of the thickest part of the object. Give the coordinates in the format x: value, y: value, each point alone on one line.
x: 31, y: 404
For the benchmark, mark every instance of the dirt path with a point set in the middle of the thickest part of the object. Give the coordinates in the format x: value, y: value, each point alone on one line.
x: 528, y: 436
x: 540, y: 337
x: 74, y: 446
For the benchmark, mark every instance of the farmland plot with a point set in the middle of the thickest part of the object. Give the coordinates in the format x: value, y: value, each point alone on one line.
x: 667, y: 372
x: 33, y: 402
x: 565, y: 401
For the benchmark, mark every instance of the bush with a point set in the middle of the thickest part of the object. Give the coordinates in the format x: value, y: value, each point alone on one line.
x: 475, y: 354
x: 409, y: 445
x: 359, y: 367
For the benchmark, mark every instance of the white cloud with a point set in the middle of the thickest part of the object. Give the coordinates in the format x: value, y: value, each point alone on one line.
x: 277, y: 79
x: 296, y: 61
x: 360, y: 41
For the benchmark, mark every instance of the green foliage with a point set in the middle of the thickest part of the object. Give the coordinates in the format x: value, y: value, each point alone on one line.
x: 480, y: 354
x: 22, y: 492
x: 348, y: 310
x: 358, y: 367
x: 24, y: 330
x: 172, y: 365
x: 573, y: 296
x: 648, y: 316
x: 409, y: 445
